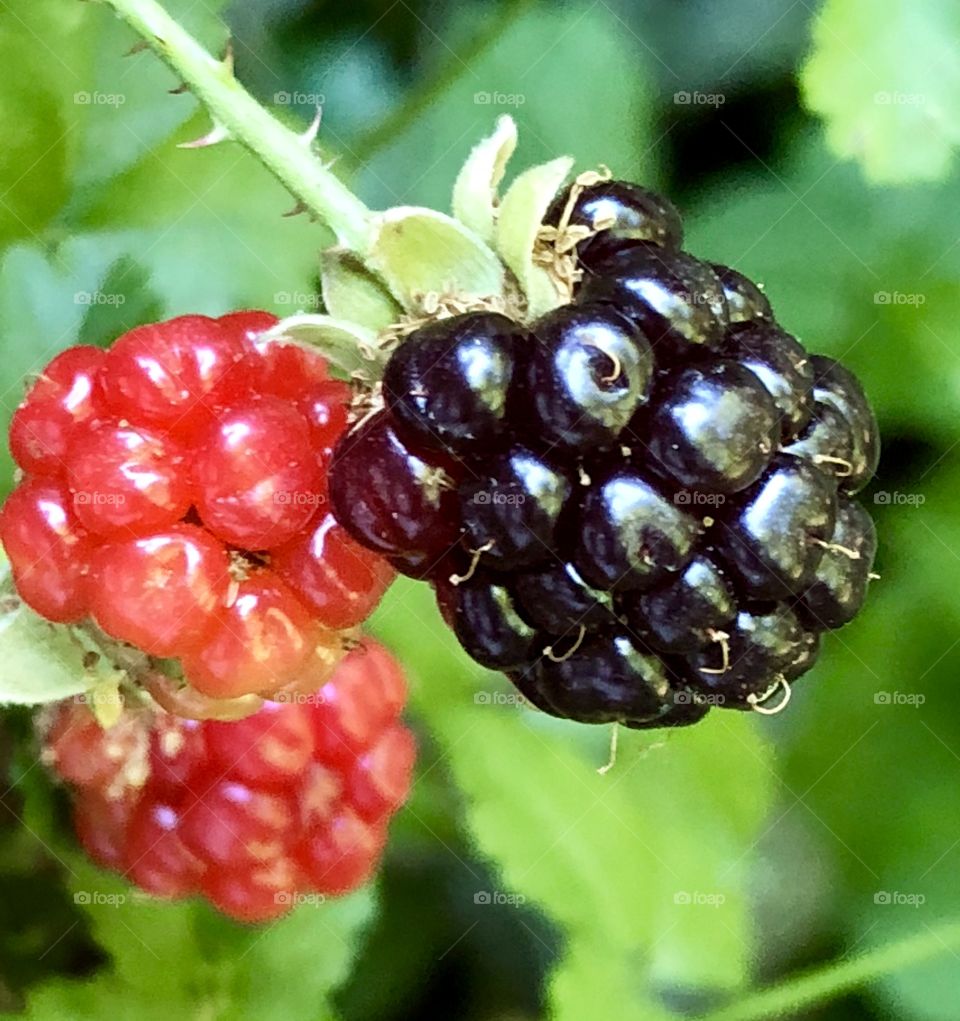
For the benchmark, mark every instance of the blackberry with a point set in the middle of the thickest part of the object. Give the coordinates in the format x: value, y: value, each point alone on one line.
x: 293, y: 799
x: 637, y: 506
x: 158, y: 480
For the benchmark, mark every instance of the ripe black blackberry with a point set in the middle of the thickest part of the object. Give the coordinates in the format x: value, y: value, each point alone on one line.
x: 637, y: 506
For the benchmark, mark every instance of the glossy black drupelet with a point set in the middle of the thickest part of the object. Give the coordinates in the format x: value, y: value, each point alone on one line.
x: 684, y: 614
x: 772, y: 536
x: 586, y: 372
x: 448, y: 386
x: 675, y: 299
x: 712, y: 427
x: 510, y: 511
x: 636, y: 506
x: 557, y: 600
x: 630, y: 534
x: 607, y: 679
x: 745, y: 300
x: 751, y: 658
x: 780, y: 363
x: 624, y: 211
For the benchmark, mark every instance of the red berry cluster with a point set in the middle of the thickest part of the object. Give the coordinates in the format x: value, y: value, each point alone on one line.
x: 255, y: 814
x: 175, y: 491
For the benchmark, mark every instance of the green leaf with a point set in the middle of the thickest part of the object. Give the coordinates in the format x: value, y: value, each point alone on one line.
x: 475, y: 189
x: 420, y: 252
x: 886, y: 78
x: 521, y: 214
x: 353, y: 293
x: 591, y: 983
x: 879, y: 689
x: 43, y: 662
x: 184, y: 960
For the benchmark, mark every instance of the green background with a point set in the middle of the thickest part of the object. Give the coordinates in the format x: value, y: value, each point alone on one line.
x: 811, y: 147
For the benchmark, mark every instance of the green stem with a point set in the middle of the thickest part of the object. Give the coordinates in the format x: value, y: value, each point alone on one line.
x: 281, y: 150
x: 784, y: 1001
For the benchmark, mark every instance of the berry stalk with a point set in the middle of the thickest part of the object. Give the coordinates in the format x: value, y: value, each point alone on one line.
x: 239, y: 116
x: 787, y: 1000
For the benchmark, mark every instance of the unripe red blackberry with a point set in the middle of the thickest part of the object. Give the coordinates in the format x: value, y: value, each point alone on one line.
x: 250, y: 814
x: 175, y: 497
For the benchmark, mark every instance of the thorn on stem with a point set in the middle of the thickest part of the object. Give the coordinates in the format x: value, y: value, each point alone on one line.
x: 217, y: 135
x: 310, y: 135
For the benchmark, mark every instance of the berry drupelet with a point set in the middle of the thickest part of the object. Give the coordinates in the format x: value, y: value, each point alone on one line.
x: 636, y: 506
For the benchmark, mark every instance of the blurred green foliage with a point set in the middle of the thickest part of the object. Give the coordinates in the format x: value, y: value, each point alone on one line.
x: 519, y: 883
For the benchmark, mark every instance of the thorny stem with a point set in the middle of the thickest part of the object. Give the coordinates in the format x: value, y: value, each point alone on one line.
x: 286, y: 154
